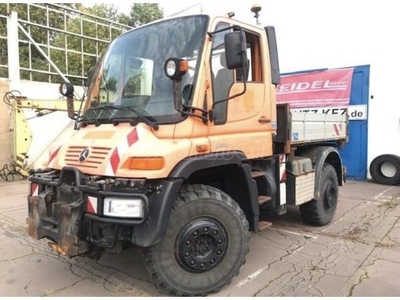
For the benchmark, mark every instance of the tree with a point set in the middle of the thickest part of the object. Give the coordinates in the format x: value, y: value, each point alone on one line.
x: 142, y: 13
x: 106, y: 11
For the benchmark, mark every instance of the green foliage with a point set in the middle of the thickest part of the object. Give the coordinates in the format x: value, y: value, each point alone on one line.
x: 142, y: 13
x: 105, y: 11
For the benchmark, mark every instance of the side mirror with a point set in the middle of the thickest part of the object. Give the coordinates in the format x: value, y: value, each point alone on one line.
x: 67, y: 90
x: 235, y: 47
x: 273, y: 55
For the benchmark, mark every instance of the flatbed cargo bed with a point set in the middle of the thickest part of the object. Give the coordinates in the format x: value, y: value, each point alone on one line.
x: 312, y: 127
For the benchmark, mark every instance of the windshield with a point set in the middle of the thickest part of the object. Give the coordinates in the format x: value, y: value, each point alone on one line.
x: 131, y: 73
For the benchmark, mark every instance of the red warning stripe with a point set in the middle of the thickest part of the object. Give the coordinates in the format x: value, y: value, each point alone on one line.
x: 53, y: 155
x: 91, y: 205
x: 283, y: 177
x: 34, y: 189
x: 132, y: 137
x: 337, y: 128
x: 115, y: 158
x: 282, y: 168
x: 89, y: 208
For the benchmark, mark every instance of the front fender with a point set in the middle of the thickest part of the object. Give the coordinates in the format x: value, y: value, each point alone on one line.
x: 243, y: 188
x: 153, y: 230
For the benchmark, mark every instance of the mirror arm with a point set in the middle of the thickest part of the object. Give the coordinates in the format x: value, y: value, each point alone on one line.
x: 195, y: 108
x: 192, y: 109
x: 231, y: 97
x: 235, y: 27
x: 78, y: 116
x: 211, y: 112
x: 177, y: 83
x: 70, y: 107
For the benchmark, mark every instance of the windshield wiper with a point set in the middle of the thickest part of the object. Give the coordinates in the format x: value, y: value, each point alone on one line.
x: 142, y: 117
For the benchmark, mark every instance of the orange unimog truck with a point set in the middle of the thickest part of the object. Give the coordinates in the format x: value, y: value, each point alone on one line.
x: 179, y: 143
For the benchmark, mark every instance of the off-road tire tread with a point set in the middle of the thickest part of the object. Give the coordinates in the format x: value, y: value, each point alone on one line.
x: 189, y: 193
x: 311, y: 211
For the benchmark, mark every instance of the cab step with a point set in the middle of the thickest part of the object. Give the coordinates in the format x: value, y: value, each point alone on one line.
x: 263, y: 225
x: 257, y: 174
x: 263, y: 199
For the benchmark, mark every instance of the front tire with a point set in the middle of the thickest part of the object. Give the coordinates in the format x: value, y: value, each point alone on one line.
x: 205, y: 245
x: 320, y: 212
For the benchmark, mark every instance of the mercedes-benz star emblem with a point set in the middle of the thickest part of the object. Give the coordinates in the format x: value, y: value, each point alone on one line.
x: 84, y: 155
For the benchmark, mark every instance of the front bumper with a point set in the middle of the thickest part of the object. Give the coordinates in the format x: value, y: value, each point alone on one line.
x: 58, y: 210
x: 61, y: 229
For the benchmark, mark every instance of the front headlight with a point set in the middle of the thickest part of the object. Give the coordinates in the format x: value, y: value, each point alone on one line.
x: 175, y: 68
x: 66, y: 89
x: 171, y: 68
x: 128, y: 208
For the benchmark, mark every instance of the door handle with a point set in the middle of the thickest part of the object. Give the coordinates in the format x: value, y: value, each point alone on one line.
x: 264, y: 120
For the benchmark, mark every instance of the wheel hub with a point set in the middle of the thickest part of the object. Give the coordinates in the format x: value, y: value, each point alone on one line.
x: 201, y: 245
x: 330, y: 196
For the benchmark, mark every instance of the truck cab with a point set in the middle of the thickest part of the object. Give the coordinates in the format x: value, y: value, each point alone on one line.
x: 180, y: 142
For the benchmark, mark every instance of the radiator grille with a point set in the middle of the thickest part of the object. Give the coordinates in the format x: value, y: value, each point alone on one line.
x: 96, y: 157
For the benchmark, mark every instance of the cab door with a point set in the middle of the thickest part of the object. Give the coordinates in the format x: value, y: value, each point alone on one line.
x: 243, y: 123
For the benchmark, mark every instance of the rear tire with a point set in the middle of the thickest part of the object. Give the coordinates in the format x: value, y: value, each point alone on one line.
x: 205, y: 245
x: 378, y: 173
x: 320, y: 212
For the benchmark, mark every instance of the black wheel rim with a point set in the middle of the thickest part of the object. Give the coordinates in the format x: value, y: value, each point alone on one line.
x: 330, y: 196
x: 201, y: 245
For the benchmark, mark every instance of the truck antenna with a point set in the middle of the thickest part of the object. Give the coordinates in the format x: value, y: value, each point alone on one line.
x: 187, y: 8
x: 256, y: 9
